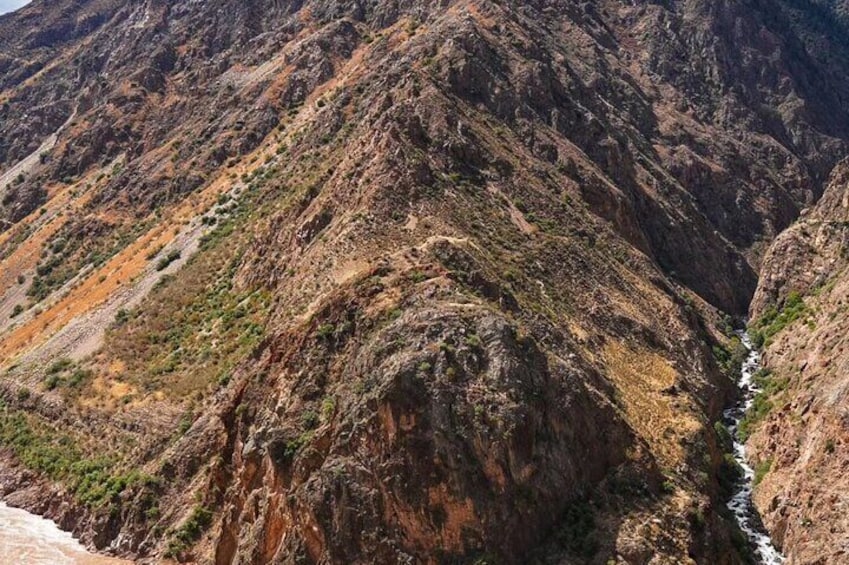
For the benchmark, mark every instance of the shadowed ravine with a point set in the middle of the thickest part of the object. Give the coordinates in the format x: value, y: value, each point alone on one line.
x: 741, y: 503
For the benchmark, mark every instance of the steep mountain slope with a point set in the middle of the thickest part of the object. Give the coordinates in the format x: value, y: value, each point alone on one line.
x: 800, y: 430
x: 394, y: 281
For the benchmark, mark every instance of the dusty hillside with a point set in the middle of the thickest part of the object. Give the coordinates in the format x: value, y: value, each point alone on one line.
x: 386, y: 281
x: 800, y: 428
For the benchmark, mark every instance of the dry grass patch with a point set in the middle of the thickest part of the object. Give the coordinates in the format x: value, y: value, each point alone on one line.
x: 189, y: 333
x: 641, y: 377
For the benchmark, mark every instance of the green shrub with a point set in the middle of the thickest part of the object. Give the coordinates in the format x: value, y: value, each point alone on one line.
x: 167, y: 260
x: 726, y: 442
x: 328, y: 406
x: 730, y: 358
x: 292, y: 447
x: 576, y: 529
x: 728, y: 474
x: 79, y: 377
x: 696, y: 518
x: 310, y: 420
x: 773, y: 321
x: 60, y: 366
x: 325, y: 331
x: 418, y: 276
x: 93, y: 482
x: 185, y: 424
x: 190, y: 531
x: 121, y: 317
x: 763, y: 403
x: 52, y: 382
x: 761, y: 469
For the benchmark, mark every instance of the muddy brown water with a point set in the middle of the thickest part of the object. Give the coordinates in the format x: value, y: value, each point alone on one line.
x: 26, y: 539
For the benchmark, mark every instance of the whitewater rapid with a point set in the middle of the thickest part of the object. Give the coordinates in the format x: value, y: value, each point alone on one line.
x: 26, y: 539
x: 741, y: 503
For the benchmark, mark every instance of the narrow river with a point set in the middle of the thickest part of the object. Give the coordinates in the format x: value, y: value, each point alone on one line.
x: 741, y: 503
x: 26, y: 539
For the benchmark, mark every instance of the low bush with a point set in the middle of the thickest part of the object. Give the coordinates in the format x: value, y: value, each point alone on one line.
x: 166, y: 261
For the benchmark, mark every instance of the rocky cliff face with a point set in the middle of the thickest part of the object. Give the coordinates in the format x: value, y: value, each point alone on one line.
x: 800, y: 430
x: 394, y: 281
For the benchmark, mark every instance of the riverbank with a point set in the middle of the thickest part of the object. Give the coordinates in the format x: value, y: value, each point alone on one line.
x: 741, y: 504
x: 28, y: 539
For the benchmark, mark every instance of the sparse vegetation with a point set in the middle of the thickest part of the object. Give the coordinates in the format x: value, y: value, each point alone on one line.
x: 192, y: 328
x: 65, y: 373
x: 763, y: 402
x: 189, y: 531
x: 94, y: 482
x: 527, y: 183
x: 774, y: 320
x: 761, y: 469
x: 76, y: 252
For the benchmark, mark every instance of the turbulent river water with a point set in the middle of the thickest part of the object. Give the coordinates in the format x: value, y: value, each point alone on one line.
x: 26, y: 539
x: 741, y: 503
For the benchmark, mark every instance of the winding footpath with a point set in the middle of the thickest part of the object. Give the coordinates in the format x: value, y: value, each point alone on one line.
x: 741, y: 503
